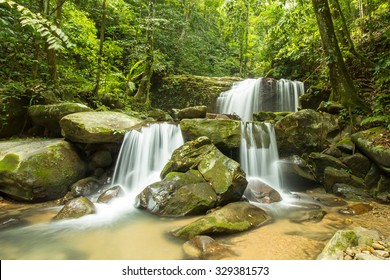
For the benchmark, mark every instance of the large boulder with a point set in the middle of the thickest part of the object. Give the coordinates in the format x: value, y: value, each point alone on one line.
x: 305, y: 131
x: 234, y: 217
x: 224, y: 174
x: 38, y: 169
x: 374, y: 143
x: 178, y: 194
x: 49, y: 116
x: 97, y: 127
x: 222, y: 133
x: 191, y: 112
x: 198, y: 177
x: 334, y: 249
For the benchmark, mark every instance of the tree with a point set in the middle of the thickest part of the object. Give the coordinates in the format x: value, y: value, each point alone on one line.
x: 101, y: 46
x: 143, y: 92
x: 343, y: 89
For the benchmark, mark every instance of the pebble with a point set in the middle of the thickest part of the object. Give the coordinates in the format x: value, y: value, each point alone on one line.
x: 378, y: 246
x: 382, y: 253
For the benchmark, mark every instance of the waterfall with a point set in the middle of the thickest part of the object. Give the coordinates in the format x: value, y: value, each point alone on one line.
x: 259, y: 153
x: 143, y: 155
x: 263, y: 94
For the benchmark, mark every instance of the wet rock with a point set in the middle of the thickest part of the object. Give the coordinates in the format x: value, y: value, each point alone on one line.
x: 306, y: 216
x: 223, y: 174
x: 258, y: 191
x: 334, y: 152
x: 232, y: 218
x: 12, y: 222
x: 86, y: 187
x: 321, y: 161
x: 383, y: 197
x: 191, y: 113
x: 372, y: 177
x: 97, y: 127
x: 37, y: 170
x: 331, y: 201
x: 178, y: 194
x: 350, y: 192
x: 76, y: 208
x: 358, y: 164
x: 222, y: 133
x: 100, y: 159
x: 333, y: 176
x: 346, y: 145
x: 297, y: 174
x: 356, y: 209
x: 313, y: 97
x: 264, y: 116
x: 334, y: 249
x: 204, y: 247
x: 110, y: 194
x: 305, y: 131
x: 49, y: 116
x: 369, y: 142
x: 213, y: 116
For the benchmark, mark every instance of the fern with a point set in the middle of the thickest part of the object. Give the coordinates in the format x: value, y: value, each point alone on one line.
x: 54, y: 36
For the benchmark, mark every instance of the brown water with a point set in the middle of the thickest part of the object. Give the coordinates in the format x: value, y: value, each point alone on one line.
x: 139, y: 235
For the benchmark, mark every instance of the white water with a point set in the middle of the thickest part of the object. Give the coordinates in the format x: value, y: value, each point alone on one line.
x: 258, y: 151
x: 255, y: 95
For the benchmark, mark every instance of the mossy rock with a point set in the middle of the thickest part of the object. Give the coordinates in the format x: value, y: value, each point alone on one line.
x: 182, y: 91
x: 49, y: 116
x: 234, y: 217
x: 305, y: 131
x: 38, y: 169
x: 334, y: 249
x: 97, y: 127
x: 191, y: 112
x: 178, y: 194
x: 374, y: 144
x: 222, y: 133
x: 76, y: 208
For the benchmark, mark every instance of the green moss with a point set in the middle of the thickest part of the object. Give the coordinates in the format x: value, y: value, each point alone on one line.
x: 9, y: 163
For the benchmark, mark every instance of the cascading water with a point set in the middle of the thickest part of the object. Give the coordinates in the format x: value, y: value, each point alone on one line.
x: 258, y: 151
x: 143, y: 155
x: 263, y: 94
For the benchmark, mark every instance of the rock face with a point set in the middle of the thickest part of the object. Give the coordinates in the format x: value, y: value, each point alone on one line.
x: 305, y: 131
x: 232, y: 218
x: 181, y: 91
x: 222, y: 133
x: 198, y: 177
x: 374, y: 143
x: 97, y: 127
x: 49, y: 116
x: 76, y: 208
x: 38, y: 170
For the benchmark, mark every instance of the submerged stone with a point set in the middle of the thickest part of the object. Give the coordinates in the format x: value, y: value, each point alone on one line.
x: 231, y: 218
x: 356, y: 209
x: 204, y: 247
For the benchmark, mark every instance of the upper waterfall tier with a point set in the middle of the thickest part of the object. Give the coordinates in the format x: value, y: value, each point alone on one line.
x: 263, y: 94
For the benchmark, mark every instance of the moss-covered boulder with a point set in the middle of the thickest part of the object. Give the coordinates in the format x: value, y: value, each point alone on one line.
x: 334, y: 249
x: 234, y: 217
x: 320, y: 161
x: 375, y: 143
x: 97, y: 127
x: 358, y: 164
x: 222, y: 133
x: 224, y: 174
x: 305, y: 131
x: 76, y: 208
x: 191, y: 112
x: 49, y: 116
x: 38, y: 169
x: 178, y: 194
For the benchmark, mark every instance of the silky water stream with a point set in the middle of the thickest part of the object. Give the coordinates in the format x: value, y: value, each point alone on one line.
x: 119, y: 231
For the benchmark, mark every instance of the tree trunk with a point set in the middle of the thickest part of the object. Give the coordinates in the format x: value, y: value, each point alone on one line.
x: 101, y: 47
x: 143, y: 92
x: 343, y: 89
